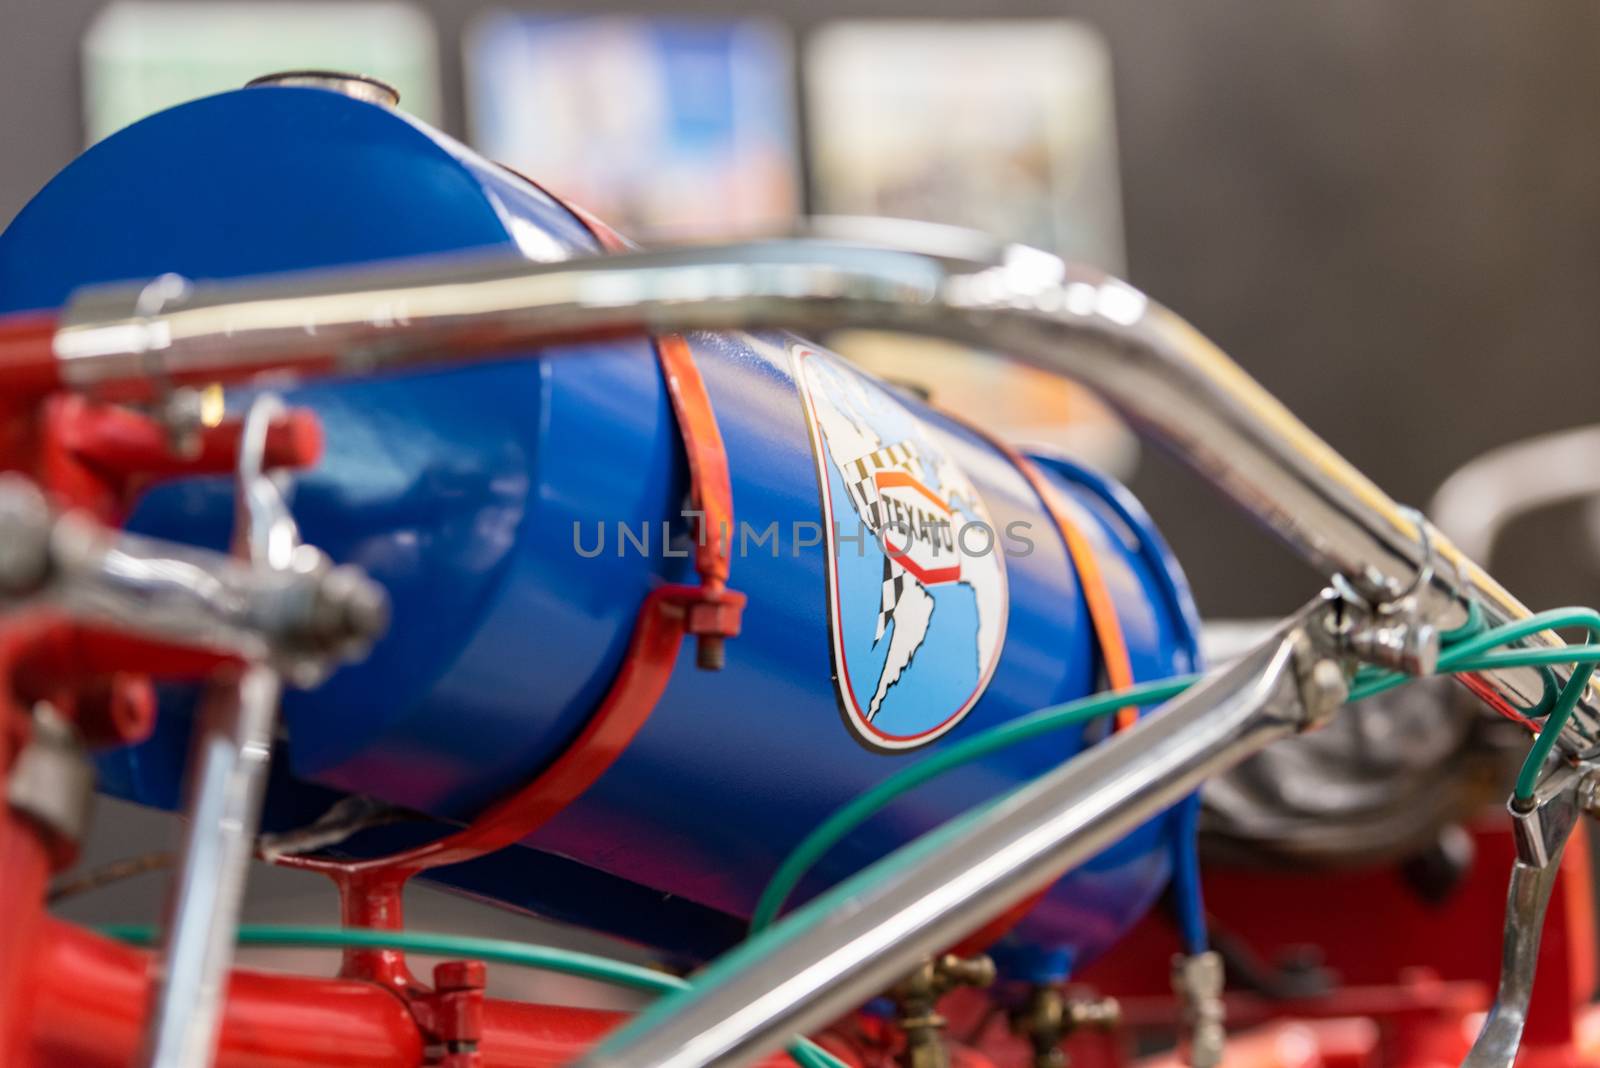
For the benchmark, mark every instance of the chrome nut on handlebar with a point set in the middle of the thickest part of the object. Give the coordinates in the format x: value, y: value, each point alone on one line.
x: 306, y: 619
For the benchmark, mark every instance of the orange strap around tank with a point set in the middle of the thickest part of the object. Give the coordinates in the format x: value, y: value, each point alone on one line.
x: 1091, y: 579
x: 1108, y: 634
x: 1102, y: 610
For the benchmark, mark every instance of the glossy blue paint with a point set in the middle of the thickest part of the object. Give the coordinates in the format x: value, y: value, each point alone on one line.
x: 460, y: 491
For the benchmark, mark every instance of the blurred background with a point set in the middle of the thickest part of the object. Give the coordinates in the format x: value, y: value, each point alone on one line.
x: 1388, y: 213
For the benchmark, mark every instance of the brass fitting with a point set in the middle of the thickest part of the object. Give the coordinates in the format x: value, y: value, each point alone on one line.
x: 917, y: 995
x: 1049, y: 1017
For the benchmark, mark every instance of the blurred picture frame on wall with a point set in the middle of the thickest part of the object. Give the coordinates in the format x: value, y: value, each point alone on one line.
x: 1006, y: 126
x: 1003, y: 125
x: 666, y: 127
x: 142, y: 56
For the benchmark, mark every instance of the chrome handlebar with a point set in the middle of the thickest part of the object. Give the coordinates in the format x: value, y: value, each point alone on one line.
x: 1161, y: 374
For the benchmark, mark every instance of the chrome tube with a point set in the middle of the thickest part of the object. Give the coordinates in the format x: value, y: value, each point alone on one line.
x: 858, y: 939
x: 1156, y: 370
x: 227, y: 778
x: 1543, y: 825
x: 1484, y: 496
x: 232, y: 751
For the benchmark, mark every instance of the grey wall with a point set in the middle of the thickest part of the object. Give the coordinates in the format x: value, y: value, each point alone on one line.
x: 1385, y: 211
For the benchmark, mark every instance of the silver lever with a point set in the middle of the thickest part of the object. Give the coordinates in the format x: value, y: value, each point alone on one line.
x: 1542, y: 827
x: 228, y: 774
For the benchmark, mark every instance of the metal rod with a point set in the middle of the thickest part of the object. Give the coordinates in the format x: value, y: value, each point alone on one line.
x: 1160, y: 373
x: 1543, y: 826
x: 227, y: 778
x: 232, y: 751
x: 871, y: 930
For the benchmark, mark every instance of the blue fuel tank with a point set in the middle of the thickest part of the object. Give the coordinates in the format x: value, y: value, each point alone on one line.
x: 519, y: 512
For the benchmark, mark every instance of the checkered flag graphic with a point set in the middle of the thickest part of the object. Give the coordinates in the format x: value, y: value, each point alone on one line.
x: 860, y: 475
x: 894, y: 586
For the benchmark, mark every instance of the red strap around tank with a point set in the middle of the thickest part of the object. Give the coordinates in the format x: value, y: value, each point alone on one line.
x: 710, y: 611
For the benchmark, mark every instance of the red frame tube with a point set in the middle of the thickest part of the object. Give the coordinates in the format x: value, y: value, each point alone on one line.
x: 28, y: 367
x: 85, y: 999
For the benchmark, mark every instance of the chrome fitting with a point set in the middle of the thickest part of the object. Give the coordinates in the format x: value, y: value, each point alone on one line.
x: 306, y: 618
x: 1399, y: 642
x: 357, y: 86
x: 1197, y: 980
x: 1322, y: 682
x: 1393, y: 635
x: 52, y: 781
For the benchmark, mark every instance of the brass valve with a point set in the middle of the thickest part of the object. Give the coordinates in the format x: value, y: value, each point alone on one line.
x: 1049, y: 1017
x: 917, y: 995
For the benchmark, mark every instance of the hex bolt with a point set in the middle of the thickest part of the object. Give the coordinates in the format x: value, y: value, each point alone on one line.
x: 350, y: 608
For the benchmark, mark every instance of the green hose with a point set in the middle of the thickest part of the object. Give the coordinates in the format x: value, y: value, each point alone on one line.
x: 852, y: 815
x: 1468, y: 648
x: 565, y: 961
x: 1533, y: 764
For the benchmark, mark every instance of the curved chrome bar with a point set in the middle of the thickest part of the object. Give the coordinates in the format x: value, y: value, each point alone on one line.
x: 1485, y: 495
x: 869, y: 931
x: 1174, y: 385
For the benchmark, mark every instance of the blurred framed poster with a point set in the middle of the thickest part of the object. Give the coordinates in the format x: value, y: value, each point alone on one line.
x: 661, y: 126
x: 140, y: 56
x: 1006, y: 126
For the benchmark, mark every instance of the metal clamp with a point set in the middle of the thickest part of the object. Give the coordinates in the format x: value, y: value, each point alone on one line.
x: 304, y: 618
x: 180, y: 410
x: 1396, y: 632
x: 1197, y: 980
x: 52, y: 782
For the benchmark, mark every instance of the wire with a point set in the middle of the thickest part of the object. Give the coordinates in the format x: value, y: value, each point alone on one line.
x: 106, y: 874
x: 1469, y: 648
x: 1471, y: 627
x: 499, y: 950
x: 1533, y: 764
x: 1189, y: 902
x: 864, y: 806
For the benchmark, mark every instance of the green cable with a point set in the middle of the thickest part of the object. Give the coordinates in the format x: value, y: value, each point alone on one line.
x: 549, y: 958
x: 1476, y: 653
x: 1471, y: 627
x: 1511, y: 658
x: 1468, y: 647
x: 850, y: 816
x: 1533, y: 764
